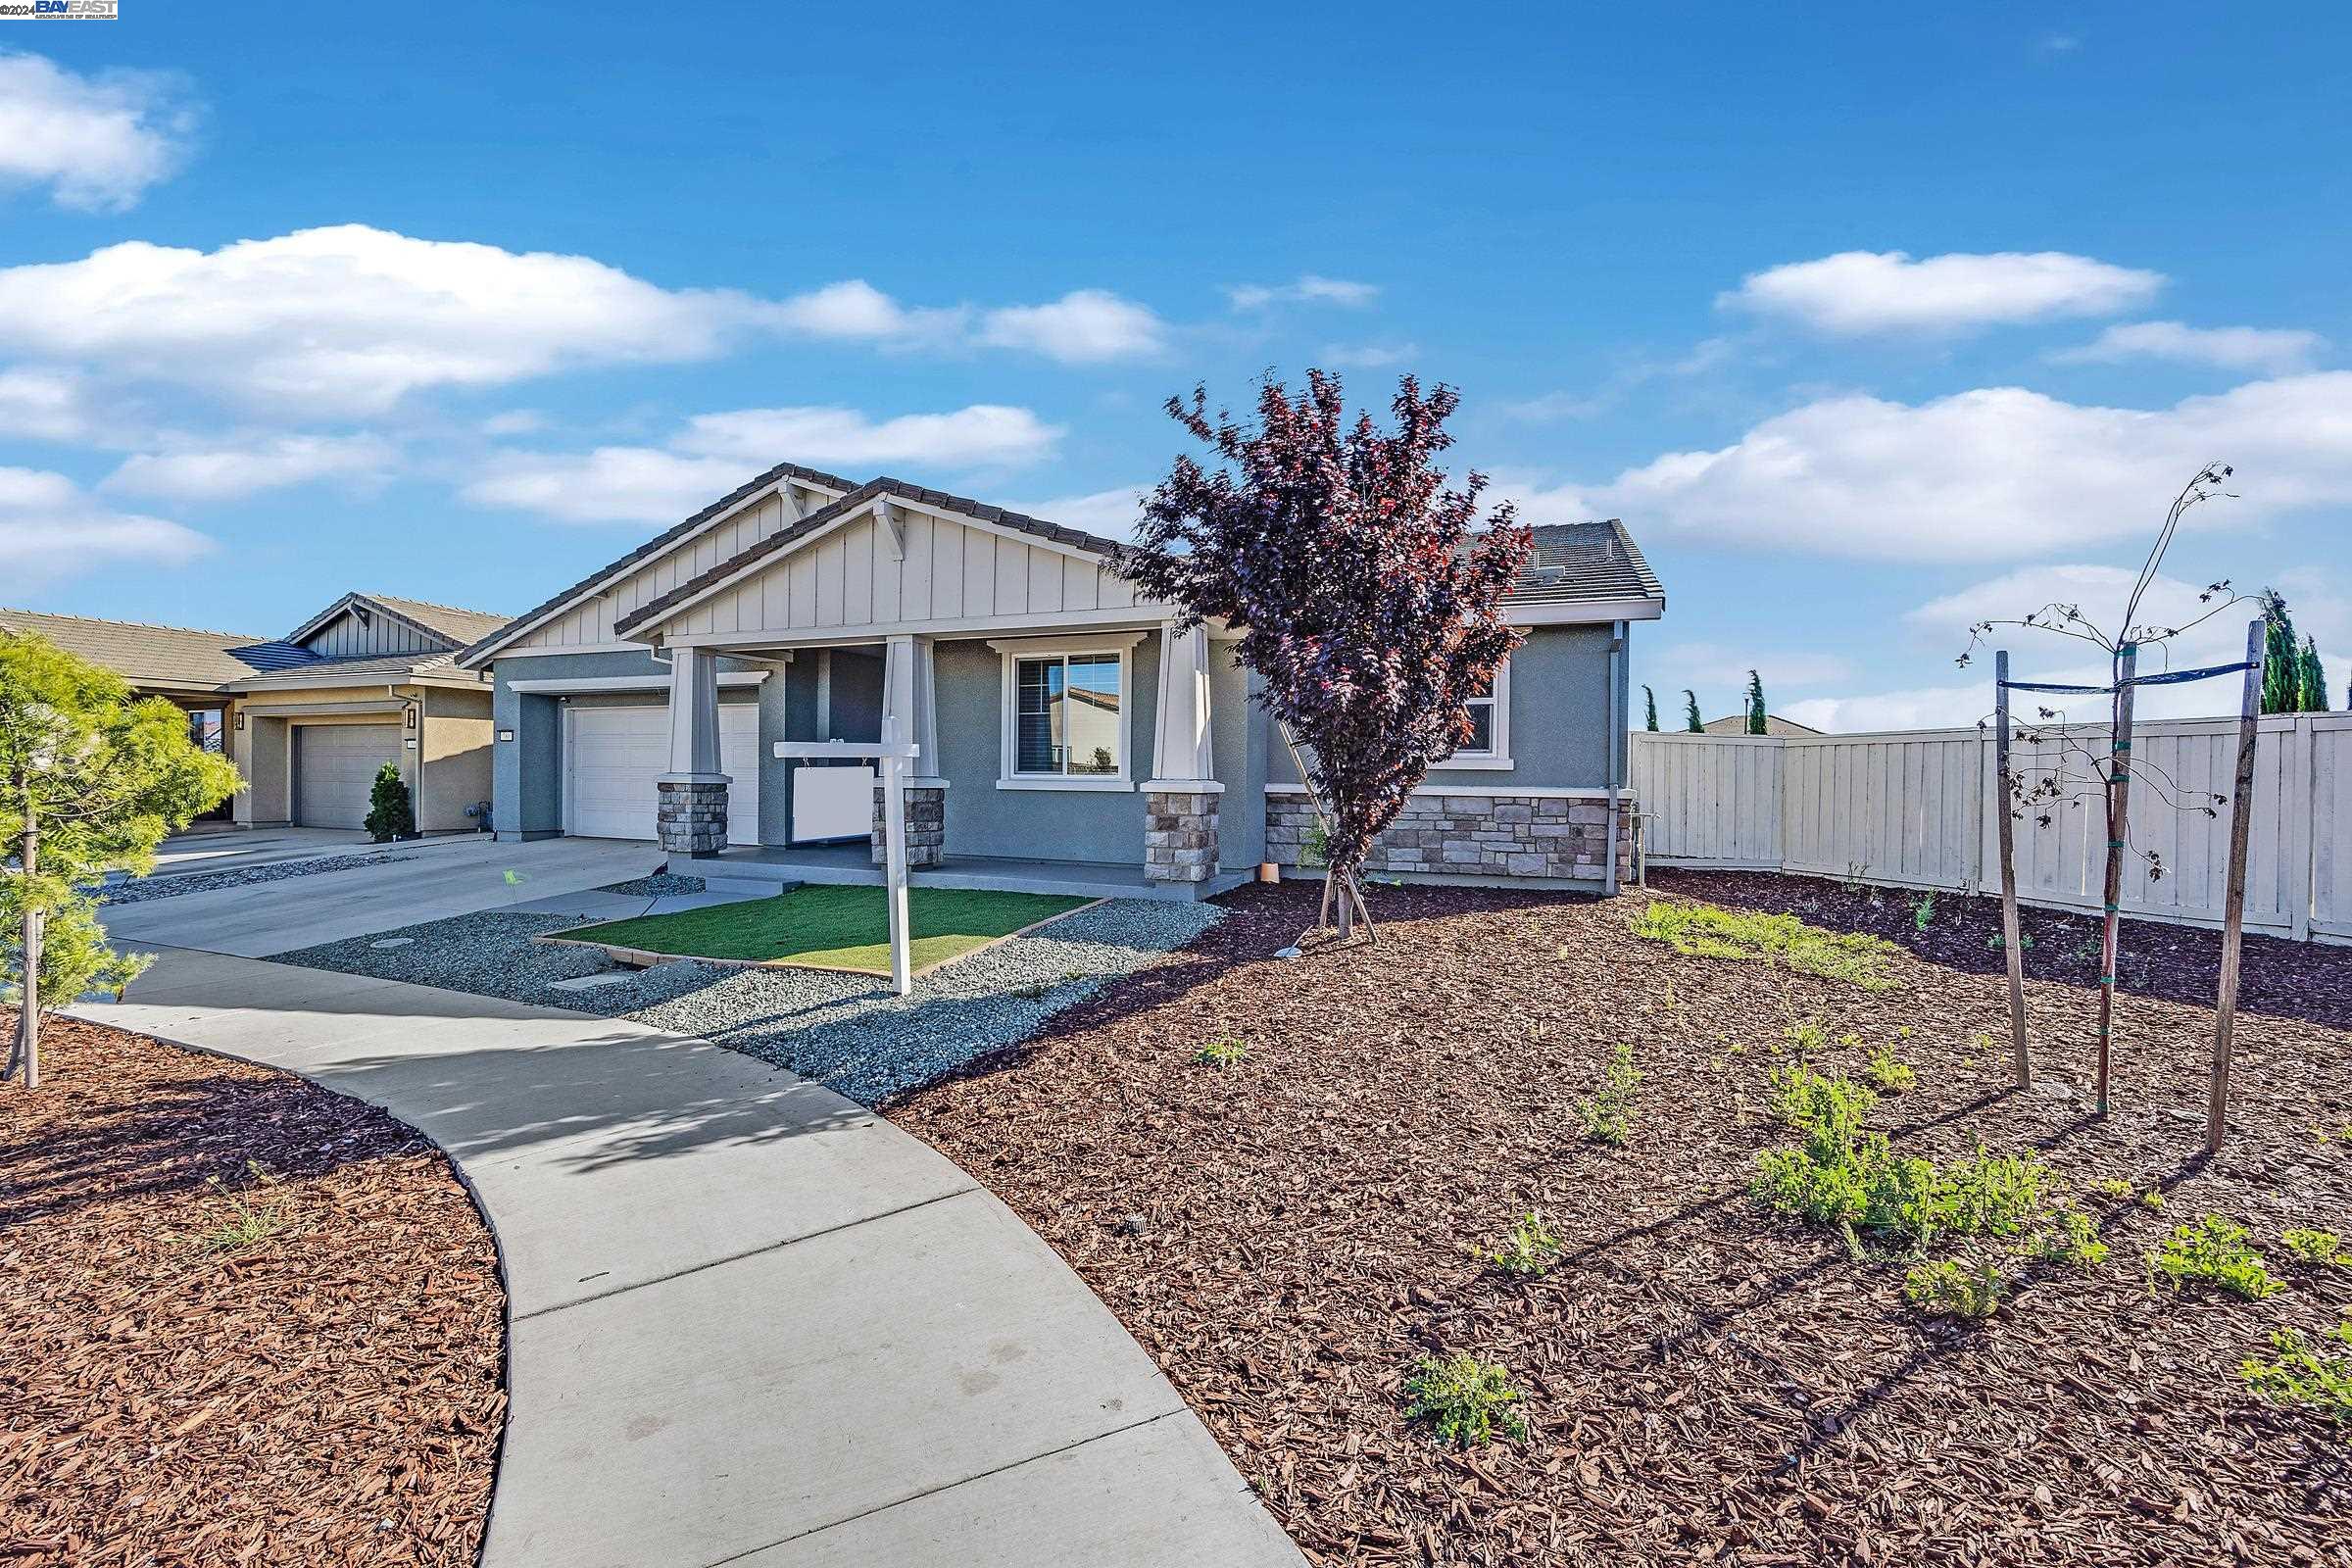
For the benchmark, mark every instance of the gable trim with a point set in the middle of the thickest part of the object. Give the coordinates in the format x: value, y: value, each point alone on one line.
x: 783, y: 477
x: 361, y: 602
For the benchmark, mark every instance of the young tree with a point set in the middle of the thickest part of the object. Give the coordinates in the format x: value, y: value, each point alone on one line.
x: 2282, y: 659
x: 1649, y: 711
x: 90, y: 778
x: 1367, y: 600
x: 1692, y: 722
x: 390, y: 814
x: 2314, y: 677
x: 1755, y: 703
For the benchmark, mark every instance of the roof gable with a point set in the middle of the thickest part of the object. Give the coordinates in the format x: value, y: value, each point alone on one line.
x: 782, y: 476
x: 899, y: 565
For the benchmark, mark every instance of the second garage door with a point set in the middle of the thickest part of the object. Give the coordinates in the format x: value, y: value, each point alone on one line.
x: 612, y: 756
x: 334, y: 770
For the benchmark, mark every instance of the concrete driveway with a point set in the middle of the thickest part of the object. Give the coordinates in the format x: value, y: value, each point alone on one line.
x: 434, y: 878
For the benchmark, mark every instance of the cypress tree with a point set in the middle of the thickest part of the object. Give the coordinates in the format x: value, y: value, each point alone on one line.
x: 1649, y: 711
x: 1690, y: 718
x: 2315, y: 679
x: 1755, y: 703
x: 2282, y: 659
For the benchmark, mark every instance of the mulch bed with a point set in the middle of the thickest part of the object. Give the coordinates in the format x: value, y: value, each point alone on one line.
x: 327, y: 1389
x: 1706, y: 1383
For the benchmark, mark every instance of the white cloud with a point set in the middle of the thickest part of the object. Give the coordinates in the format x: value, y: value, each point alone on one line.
x: 1705, y: 664
x: 1701, y: 359
x: 1089, y: 326
x: 1858, y: 292
x: 1111, y: 513
x: 1915, y: 708
x: 41, y: 405
x: 515, y: 422
x: 1306, y: 289
x: 1998, y: 472
x: 352, y: 318
x: 196, y: 472
x: 49, y: 529
x: 1367, y: 356
x: 717, y: 451
x: 855, y: 311
x: 2268, y: 350
x: 96, y: 142
x: 984, y: 433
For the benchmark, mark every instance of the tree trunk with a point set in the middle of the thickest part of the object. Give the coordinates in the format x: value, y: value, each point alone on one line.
x: 2119, y: 803
x: 2021, y: 1058
x: 28, y: 1054
x: 2233, y: 901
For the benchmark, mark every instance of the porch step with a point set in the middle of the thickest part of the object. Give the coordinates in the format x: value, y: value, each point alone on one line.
x: 736, y: 886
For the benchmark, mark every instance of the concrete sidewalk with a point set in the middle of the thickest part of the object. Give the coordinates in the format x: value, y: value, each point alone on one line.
x: 749, y: 1321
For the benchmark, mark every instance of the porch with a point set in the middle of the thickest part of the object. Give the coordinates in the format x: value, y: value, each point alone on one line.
x: 852, y: 863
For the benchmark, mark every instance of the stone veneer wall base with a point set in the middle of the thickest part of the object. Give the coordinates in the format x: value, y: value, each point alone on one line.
x: 692, y: 815
x: 1478, y: 835
x: 1180, y: 835
x: 926, y: 827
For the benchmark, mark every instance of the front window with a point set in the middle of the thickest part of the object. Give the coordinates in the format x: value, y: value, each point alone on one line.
x: 204, y: 729
x: 1068, y: 718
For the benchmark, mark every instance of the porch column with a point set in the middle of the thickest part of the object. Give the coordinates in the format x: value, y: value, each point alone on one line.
x: 1181, y: 798
x: 693, y: 794
x: 908, y: 692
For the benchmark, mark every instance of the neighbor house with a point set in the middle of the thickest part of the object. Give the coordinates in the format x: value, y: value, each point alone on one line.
x: 1774, y: 724
x: 687, y: 693
x: 311, y: 716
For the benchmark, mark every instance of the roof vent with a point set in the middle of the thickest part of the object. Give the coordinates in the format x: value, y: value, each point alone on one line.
x: 1547, y: 576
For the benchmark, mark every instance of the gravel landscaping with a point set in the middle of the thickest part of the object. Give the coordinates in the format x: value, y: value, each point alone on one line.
x: 129, y: 891
x: 839, y: 1029
x: 249, y: 1322
x: 1293, y: 1222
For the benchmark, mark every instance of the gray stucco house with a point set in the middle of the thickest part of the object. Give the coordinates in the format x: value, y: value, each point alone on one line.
x: 686, y: 693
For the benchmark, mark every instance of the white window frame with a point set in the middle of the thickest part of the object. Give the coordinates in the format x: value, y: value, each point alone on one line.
x: 1010, y: 653
x: 1497, y: 759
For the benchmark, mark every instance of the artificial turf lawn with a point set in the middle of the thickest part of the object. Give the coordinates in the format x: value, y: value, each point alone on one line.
x: 836, y: 927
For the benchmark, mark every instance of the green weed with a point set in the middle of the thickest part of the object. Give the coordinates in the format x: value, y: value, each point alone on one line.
x: 1887, y: 1070
x: 1705, y: 931
x: 2212, y: 1251
x: 1528, y: 1249
x: 1609, y: 1114
x: 1952, y: 1288
x: 2322, y: 1247
x: 1223, y: 1054
x: 2074, y: 1240
x: 2297, y: 1374
x: 1466, y: 1401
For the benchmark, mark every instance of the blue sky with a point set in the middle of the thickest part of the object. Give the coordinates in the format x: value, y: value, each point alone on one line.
x: 1866, y: 325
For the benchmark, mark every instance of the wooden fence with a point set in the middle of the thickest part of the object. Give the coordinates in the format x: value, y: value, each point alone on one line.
x: 1914, y: 809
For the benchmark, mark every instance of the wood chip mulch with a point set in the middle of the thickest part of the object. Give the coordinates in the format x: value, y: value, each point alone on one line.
x: 1706, y: 1383
x: 324, y: 1386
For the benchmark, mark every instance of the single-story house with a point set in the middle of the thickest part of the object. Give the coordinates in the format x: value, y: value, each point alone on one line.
x: 309, y: 717
x: 687, y: 692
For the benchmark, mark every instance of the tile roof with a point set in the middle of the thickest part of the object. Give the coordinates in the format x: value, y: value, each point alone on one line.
x: 180, y: 657
x: 1583, y: 561
x: 900, y: 489
x: 660, y: 542
x: 460, y: 626
x: 363, y: 668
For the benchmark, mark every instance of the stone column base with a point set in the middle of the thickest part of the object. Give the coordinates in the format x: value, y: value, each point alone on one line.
x: 926, y: 826
x: 693, y: 816
x: 1180, y: 833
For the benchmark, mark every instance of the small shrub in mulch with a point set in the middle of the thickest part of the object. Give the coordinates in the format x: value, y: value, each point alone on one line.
x: 248, y: 1321
x: 1703, y: 1380
x: 1705, y: 931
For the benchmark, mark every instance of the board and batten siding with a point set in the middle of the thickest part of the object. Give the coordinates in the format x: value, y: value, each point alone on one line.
x: 347, y: 637
x: 855, y: 578
x: 589, y: 625
x: 1916, y: 809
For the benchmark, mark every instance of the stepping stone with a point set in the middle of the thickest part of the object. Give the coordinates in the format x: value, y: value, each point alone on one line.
x: 589, y: 982
x: 393, y: 942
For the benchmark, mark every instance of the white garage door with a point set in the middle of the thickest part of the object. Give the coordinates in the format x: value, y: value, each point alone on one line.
x: 334, y: 770
x: 612, y: 756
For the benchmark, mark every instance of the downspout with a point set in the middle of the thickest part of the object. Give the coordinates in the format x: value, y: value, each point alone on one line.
x: 1617, y: 739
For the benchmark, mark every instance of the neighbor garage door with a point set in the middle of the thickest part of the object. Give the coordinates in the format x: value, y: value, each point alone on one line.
x: 334, y: 769
x: 612, y: 756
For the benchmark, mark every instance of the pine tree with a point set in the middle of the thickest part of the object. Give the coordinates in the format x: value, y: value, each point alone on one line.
x: 1690, y: 718
x: 1649, y: 711
x: 1755, y: 703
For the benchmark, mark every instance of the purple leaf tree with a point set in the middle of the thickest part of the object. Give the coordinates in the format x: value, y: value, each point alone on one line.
x: 1366, y: 593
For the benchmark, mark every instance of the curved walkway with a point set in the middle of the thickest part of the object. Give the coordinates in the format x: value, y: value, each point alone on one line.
x: 750, y: 1322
